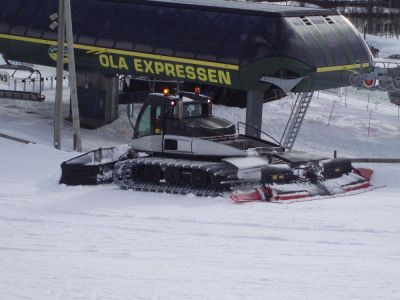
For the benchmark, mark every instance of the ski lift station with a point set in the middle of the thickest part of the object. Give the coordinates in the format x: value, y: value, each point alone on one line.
x: 240, y: 51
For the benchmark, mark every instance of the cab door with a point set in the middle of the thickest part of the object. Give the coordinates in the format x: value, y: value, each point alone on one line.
x: 143, y: 122
x: 159, y: 115
x: 150, y: 120
x: 149, y: 127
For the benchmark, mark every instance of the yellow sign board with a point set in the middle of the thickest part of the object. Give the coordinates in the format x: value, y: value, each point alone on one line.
x: 166, y: 69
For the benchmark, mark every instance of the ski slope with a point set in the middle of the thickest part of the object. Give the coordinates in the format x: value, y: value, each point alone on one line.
x: 59, y: 242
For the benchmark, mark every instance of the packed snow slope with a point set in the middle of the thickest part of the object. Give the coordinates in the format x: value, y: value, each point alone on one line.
x: 59, y: 242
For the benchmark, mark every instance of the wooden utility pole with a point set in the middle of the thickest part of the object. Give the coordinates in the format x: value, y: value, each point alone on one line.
x: 72, y: 77
x: 60, y: 75
x: 65, y: 26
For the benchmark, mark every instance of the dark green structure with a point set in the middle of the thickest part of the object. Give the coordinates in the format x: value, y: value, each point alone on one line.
x: 242, y: 46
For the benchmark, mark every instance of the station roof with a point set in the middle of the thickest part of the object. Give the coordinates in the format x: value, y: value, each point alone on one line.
x: 258, y: 8
x: 229, y: 32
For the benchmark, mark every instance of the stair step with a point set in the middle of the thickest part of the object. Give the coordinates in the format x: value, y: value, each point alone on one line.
x: 296, y: 119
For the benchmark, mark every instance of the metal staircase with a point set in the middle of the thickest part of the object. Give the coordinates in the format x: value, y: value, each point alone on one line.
x: 296, y: 119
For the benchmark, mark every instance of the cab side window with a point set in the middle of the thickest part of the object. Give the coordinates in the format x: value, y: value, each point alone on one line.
x: 158, y: 128
x: 145, y: 125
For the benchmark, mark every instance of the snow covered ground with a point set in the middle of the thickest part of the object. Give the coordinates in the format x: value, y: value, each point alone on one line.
x: 59, y: 242
x: 386, y: 46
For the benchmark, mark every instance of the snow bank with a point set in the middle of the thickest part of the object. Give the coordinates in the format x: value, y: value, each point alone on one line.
x: 386, y: 46
x: 61, y: 242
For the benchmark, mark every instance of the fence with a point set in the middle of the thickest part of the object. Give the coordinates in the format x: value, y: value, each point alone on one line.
x: 376, y: 116
x: 371, y: 98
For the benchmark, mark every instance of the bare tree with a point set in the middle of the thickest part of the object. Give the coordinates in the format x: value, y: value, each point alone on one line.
x: 373, y: 14
x: 395, y: 19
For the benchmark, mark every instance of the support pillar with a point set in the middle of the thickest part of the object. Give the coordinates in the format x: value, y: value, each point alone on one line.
x: 98, y: 99
x: 254, y: 112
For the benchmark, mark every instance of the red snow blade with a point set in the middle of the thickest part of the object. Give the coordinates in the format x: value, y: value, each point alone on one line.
x: 357, y: 186
x: 277, y: 194
x: 265, y: 194
x: 257, y: 195
x: 292, y: 196
x: 365, y: 173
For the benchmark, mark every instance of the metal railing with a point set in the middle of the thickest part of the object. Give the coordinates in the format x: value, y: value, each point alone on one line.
x: 258, y: 130
x: 35, y: 84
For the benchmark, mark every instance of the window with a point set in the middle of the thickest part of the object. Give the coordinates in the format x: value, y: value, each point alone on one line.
x: 333, y: 42
x: 41, y: 20
x: 158, y: 128
x: 10, y: 10
x: 28, y: 11
x: 308, y: 42
x: 144, y: 125
x: 353, y: 38
x: 192, y: 110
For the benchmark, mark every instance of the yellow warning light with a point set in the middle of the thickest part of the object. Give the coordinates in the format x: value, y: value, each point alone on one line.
x: 166, y: 92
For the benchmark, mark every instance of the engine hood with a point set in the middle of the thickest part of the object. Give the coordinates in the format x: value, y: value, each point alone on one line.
x: 210, y: 126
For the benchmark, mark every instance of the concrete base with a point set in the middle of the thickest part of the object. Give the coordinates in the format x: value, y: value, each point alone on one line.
x: 254, y: 110
x: 394, y: 97
x: 97, y: 99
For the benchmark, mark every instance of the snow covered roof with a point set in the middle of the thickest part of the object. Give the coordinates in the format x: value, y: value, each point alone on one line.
x: 252, y: 7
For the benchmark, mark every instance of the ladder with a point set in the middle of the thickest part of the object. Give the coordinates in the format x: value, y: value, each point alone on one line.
x: 296, y: 119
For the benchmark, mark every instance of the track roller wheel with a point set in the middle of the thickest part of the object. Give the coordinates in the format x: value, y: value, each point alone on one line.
x: 369, y: 83
x: 199, y: 179
x: 385, y: 84
x: 356, y: 80
x: 145, y: 173
x: 153, y: 174
x: 137, y: 173
x: 173, y: 176
x: 396, y: 83
x: 216, y: 184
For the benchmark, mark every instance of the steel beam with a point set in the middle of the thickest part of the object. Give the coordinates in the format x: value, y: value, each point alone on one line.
x: 60, y: 75
x: 72, y: 77
x: 254, y: 112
